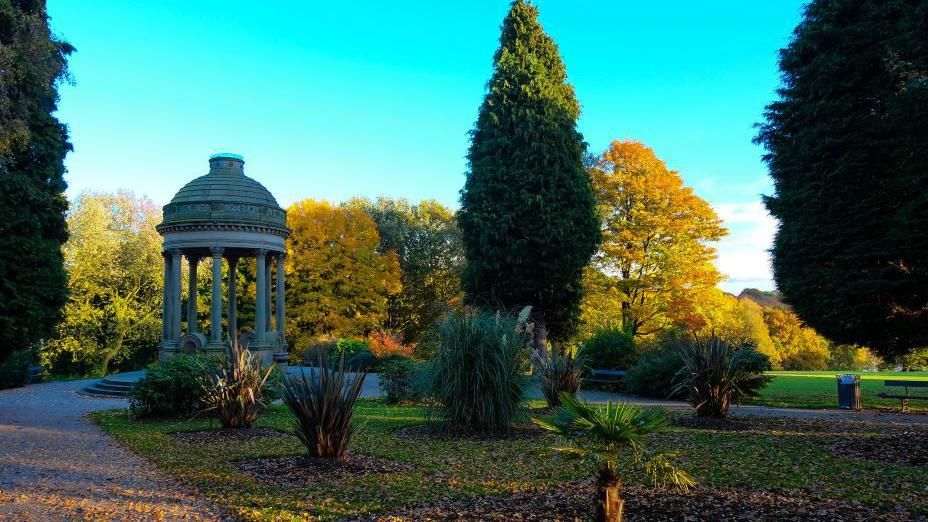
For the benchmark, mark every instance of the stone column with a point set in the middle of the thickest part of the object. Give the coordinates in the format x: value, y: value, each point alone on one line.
x: 192, y: 326
x: 215, y: 318
x: 260, y: 297
x: 268, y: 281
x: 166, y: 301
x: 279, y: 305
x: 175, y: 295
x: 233, y: 299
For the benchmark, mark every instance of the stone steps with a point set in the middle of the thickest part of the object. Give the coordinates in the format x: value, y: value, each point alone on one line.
x: 117, y: 385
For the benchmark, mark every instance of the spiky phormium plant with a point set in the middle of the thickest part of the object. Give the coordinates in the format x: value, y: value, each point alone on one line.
x: 716, y: 373
x: 322, y: 400
x: 560, y: 371
x: 234, y: 390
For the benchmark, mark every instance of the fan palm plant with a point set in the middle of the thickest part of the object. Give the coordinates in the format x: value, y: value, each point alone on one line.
x: 322, y: 400
x: 234, y: 390
x: 611, y: 438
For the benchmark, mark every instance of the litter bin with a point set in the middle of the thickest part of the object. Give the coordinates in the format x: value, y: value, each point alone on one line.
x: 849, y: 392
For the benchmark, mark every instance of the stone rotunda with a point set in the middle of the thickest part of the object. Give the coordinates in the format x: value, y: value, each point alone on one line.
x: 224, y: 215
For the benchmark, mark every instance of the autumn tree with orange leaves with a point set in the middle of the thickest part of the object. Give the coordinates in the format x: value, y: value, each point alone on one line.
x: 656, y: 258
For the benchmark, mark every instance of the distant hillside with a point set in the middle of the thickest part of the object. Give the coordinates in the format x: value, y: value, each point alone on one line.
x: 765, y: 299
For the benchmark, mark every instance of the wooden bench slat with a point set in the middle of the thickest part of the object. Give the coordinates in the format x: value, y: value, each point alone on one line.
x: 907, y: 384
x: 904, y: 399
x: 606, y: 376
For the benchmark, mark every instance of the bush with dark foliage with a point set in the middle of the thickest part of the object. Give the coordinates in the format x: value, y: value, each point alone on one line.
x: 172, y: 387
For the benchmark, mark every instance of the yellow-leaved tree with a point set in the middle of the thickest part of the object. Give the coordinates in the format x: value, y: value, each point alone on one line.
x: 798, y: 346
x: 114, y: 264
x: 737, y: 320
x: 656, y: 260
x: 338, y: 283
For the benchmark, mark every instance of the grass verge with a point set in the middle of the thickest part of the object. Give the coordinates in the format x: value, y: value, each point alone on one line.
x: 818, y: 390
x: 786, y: 455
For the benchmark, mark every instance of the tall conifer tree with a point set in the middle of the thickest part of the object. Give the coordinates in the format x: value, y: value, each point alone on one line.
x: 527, y: 209
x: 33, y: 144
x: 847, y: 149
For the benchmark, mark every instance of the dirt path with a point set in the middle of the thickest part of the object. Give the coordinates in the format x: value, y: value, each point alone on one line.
x: 55, y: 464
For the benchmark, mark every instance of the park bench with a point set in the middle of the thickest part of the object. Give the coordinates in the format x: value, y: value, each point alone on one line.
x: 601, y: 376
x: 36, y: 373
x: 904, y: 398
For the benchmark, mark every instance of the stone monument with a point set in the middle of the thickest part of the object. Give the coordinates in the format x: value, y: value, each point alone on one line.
x: 224, y: 215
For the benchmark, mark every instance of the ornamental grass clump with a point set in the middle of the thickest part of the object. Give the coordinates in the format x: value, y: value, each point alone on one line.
x: 235, y: 391
x: 612, y: 440
x: 322, y: 400
x: 478, y: 374
x: 560, y: 371
x: 716, y: 373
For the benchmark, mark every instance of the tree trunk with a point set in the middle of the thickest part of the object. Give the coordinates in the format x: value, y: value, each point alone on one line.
x: 609, y: 503
x: 539, y: 332
x: 112, y: 348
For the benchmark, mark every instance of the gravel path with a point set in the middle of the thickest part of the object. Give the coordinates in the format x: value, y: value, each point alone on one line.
x: 371, y: 388
x: 55, y: 464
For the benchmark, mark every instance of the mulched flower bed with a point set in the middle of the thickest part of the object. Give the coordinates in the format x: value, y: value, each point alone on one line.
x: 431, y: 432
x: 817, y: 427
x: 298, y: 471
x: 574, y: 502
x: 226, y: 435
x: 897, y: 447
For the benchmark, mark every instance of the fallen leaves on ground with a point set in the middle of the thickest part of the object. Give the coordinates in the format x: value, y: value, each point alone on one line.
x: 301, y: 470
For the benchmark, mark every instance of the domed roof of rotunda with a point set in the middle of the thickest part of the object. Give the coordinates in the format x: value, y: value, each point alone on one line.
x: 224, y: 196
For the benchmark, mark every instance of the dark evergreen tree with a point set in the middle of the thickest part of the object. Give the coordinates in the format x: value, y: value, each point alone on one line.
x: 528, y: 214
x: 33, y: 144
x: 847, y: 147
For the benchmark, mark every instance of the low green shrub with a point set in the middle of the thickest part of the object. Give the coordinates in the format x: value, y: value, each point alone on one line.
x: 310, y: 354
x: 610, y: 349
x: 349, y: 347
x: 362, y: 360
x: 656, y: 374
x: 172, y: 387
x: 399, y: 379
x: 716, y: 373
x: 478, y: 374
x: 14, y: 371
x: 322, y: 400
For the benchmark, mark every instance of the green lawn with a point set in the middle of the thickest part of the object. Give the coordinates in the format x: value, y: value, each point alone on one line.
x: 795, y: 456
x: 819, y: 390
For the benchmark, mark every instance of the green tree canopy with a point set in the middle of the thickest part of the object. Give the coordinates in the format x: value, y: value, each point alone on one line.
x: 848, y: 149
x: 115, y: 280
x: 427, y: 244
x: 527, y: 210
x: 33, y: 144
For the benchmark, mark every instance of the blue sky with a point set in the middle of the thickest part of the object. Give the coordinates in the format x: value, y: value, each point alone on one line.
x: 334, y: 99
